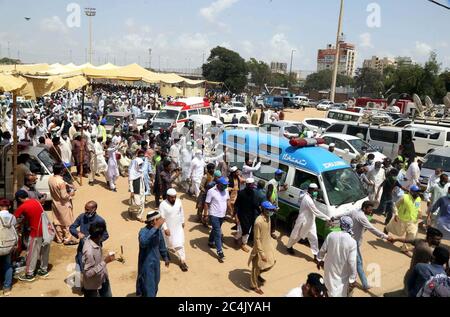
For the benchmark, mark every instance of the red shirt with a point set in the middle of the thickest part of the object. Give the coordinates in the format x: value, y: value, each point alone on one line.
x: 32, y: 210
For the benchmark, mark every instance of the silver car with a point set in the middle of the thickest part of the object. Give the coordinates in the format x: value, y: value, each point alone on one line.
x: 434, y: 160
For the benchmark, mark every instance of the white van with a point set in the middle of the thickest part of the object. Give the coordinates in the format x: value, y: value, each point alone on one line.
x: 345, y: 116
x: 385, y: 139
x: 40, y: 163
x: 428, y: 138
x: 301, y: 101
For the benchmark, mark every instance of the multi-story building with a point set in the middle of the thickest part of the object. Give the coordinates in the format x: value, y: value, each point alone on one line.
x: 378, y: 63
x: 403, y: 60
x: 279, y: 68
x: 347, y: 58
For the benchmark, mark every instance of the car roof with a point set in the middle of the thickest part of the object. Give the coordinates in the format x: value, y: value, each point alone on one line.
x: 445, y: 151
x: 235, y: 108
x: 331, y: 121
x: 340, y: 136
x: 204, y: 119
x: 280, y: 123
x: 119, y: 114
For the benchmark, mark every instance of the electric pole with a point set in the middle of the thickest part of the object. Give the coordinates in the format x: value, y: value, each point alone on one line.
x: 336, y: 59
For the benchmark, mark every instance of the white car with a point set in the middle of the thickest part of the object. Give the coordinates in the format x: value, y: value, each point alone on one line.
x: 325, y: 105
x: 349, y: 147
x: 146, y: 116
x: 244, y: 127
x: 234, y: 104
x: 228, y: 114
x: 301, y: 101
x: 318, y: 124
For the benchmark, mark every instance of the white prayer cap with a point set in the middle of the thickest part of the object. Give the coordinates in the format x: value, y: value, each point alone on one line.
x: 313, y: 186
x: 250, y: 181
x: 233, y: 169
x: 153, y: 215
x: 198, y: 152
x: 171, y: 192
x: 332, y: 145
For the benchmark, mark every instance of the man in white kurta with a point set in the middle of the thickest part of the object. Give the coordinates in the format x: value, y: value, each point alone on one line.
x: 171, y: 210
x: 413, y: 173
x: 112, y: 172
x: 186, y: 160
x: 338, y: 258
x: 305, y: 226
x: 377, y: 177
x: 137, y: 187
x: 196, y: 172
x: 66, y: 150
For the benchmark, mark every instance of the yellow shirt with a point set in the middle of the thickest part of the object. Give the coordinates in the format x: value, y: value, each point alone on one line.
x: 409, y: 209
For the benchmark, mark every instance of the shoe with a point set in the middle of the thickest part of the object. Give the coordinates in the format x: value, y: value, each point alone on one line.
x: 211, y: 245
x: 114, y: 190
x: 221, y: 257
x: 69, y: 243
x: 274, y: 236
x: 261, y: 280
x: 42, y: 273
x: 291, y: 251
x: 27, y: 278
x: 245, y: 248
x: 385, y: 231
x: 91, y: 183
x: 184, y: 267
x: 258, y: 291
x: 7, y: 292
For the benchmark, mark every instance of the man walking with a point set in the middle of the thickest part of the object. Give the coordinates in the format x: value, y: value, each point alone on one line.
x: 305, y: 226
x: 247, y: 209
x: 151, y: 248
x: 95, y: 274
x: 84, y: 221
x: 171, y: 211
x: 406, y: 211
x: 262, y: 257
x: 8, y: 244
x: 360, y: 225
x: 61, y: 205
x: 215, y: 208
x: 32, y: 210
x: 274, y: 187
x: 443, y: 218
x: 338, y: 259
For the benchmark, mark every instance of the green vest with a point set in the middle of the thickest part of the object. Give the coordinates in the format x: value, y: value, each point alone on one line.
x: 409, y: 209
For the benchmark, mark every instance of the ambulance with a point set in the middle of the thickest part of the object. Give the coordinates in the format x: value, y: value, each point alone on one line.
x: 303, y: 162
x: 175, y: 114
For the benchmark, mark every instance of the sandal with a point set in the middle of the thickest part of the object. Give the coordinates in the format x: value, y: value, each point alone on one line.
x: 69, y: 243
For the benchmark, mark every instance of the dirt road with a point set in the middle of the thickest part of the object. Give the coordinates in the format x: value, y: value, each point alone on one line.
x: 206, y: 277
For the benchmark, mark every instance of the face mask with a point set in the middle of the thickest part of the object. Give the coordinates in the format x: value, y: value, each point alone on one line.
x: 271, y: 213
x: 353, y: 166
x: 315, y: 195
x: 91, y: 215
x: 370, y: 162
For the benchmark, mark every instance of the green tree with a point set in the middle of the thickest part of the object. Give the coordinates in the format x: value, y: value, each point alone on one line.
x: 228, y: 67
x: 322, y: 80
x: 369, y: 81
x: 9, y: 61
x: 259, y: 71
x: 445, y: 78
x: 279, y: 80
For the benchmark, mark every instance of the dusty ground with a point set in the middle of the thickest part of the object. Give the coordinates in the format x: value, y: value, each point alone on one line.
x: 206, y: 277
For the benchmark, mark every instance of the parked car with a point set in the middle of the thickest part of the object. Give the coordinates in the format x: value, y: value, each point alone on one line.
x: 146, y: 116
x: 228, y: 114
x: 319, y: 124
x: 324, y: 105
x: 240, y: 126
x: 339, y: 106
x: 301, y: 101
x: 349, y: 147
x: 289, y: 103
x: 274, y: 102
x: 281, y: 128
x: 437, y: 159
x: 121, y: 116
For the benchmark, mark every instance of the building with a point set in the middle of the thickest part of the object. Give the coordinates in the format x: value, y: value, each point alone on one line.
x: 403, y: 60
x: 278, y: 68
x: 378, y: 63
x: 347, y: 58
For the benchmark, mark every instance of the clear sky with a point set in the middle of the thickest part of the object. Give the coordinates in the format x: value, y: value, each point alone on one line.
x: 180, y: 32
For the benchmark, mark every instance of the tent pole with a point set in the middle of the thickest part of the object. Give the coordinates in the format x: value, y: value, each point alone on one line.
x: 15, y: 149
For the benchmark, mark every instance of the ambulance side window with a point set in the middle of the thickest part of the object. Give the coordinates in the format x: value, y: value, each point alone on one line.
x: 302, y: 180
x: 183, y: 115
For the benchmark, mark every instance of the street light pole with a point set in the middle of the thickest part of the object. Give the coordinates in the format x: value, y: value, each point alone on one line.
x: 90, y: 12
x: 336, y: 59
x: 290, y: 70
x: 149, y: 58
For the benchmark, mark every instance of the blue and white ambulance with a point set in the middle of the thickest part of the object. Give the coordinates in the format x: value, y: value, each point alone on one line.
x: 340, y: 188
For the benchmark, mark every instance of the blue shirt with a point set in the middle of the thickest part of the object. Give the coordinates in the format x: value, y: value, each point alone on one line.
x: 84, y: 222
x: 443, y: 204
x: 420, y: 275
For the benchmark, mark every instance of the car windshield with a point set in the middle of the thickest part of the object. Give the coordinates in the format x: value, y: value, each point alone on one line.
x: 293, y: 130
x: 47, y: 159
x: 343, y: 187
x: 436, y: 161
x: 168, y: 115
x: 358, y: 144
x: 145, y: 115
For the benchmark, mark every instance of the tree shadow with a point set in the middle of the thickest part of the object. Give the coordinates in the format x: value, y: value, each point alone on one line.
x: 131, y: 295
x: 371, y: 294
x: 202, y: 244
x: 241, y: 278
x: 382, y: 244
x: 129, y: 216
x: 201, y: 228
x: 398, y: 293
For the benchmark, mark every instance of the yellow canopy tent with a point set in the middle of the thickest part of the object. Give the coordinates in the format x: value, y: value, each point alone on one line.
x: 11, y: 83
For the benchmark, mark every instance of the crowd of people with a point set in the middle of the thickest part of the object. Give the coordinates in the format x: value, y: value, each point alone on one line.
x: 158, y: 165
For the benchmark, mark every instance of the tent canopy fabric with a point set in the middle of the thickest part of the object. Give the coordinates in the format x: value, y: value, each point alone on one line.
x: 11, y: 83
x: 132, y: 72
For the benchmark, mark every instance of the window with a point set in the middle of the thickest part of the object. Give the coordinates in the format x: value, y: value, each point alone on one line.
x: 354, y: 130
x: 206, y: 111
x: 183, y: 115
x: 435, y: 136
x: 47, y: 159
x: 270, y: 149
x: 193, y: 112
x: 343, y: 187
x: 436, y: 161
x: 384, y: 136
x: 268, y: 168
x: 292, y: 130
x: 335, y: 128
x: 421, y: 135
x: 448, y: 137
x: 302, y: 180
x: 341, y: 145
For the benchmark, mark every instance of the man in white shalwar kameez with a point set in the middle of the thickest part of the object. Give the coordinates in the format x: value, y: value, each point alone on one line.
x: 305, y: 226
x: 186, y: 160
x: 112, y: 172
x: 413, y: 173
x: 376, y: 176
x: 338, y: 258
x: 196, y: 172
x: 174, y: 153
x: 137, y: 187
x: 171, y: 210
x: 66, y: 150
